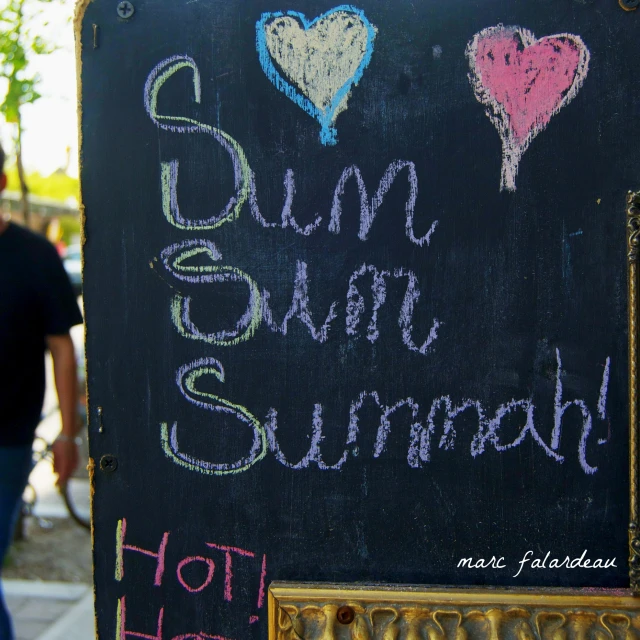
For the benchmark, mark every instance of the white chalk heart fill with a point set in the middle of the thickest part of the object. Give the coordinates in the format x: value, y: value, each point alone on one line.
x: 315, y: 63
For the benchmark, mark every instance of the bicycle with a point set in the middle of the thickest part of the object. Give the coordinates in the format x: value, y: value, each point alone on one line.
x: 75, y: 492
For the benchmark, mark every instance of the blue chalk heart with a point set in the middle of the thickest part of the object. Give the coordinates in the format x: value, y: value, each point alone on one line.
x: 332, y: 61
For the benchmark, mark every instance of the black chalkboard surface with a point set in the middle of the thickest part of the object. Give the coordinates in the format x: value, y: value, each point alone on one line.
x: 355, y: 288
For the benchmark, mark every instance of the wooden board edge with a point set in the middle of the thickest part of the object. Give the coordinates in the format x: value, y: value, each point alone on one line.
x: 78, y: 21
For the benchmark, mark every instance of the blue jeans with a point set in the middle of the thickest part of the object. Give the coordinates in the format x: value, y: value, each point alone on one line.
x: 15, y: 465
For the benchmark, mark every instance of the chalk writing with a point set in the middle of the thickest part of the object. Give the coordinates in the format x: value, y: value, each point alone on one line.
x: 299, y: 308
x: 186, y: 379
x: 523, y: 82
x: 123, y: 631
x: 368, y: 211
x: 211, y: 567
x: 121, y: 624
x: 228, y: 565
x: 287, y: 217
x: 604, y: 388
x: 181, y: 124
x: 355, y: 301
x: 318, y: 61
x: 420, y: 434
x: 245, y: 183
x: 174, y: 259
x: 317, y: 437
x: 160, y: 560
x: 263, y: 575
x: 355, y: 307
x: 561, y: 407
x: 121, y: 547
x: 406, y: 314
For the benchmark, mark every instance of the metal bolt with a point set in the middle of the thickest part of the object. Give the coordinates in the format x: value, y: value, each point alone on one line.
x: 346, y: 615
x: 629, y: 5
x: 125, y: 9
x: 108, y: 463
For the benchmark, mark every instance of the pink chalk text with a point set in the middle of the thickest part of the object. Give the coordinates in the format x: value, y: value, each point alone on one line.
x: 229, y: 555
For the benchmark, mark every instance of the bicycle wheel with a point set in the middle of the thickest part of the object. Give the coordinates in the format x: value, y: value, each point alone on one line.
x: 76, y: 493
x: 41, y: 451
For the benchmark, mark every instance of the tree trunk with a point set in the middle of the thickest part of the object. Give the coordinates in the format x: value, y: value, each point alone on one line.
x: 24, y: 190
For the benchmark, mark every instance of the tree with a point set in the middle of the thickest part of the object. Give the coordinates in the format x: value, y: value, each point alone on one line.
x: 18, y: 42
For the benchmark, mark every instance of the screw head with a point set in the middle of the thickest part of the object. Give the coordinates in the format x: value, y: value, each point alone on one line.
x: 629, y: 5
x: 345, y: 615
x: 108, y: 463
x: 125, y: 9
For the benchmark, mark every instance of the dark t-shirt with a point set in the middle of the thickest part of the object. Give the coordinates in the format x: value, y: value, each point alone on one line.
x: 36, y: 300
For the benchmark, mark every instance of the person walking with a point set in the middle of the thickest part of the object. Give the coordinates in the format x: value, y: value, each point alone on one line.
x: 37, y: 310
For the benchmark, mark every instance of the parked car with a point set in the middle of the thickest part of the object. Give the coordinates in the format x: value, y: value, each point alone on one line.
x: 72, y: 262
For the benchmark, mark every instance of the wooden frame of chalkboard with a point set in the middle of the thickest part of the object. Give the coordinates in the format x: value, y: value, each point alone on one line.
x: 137, y: 251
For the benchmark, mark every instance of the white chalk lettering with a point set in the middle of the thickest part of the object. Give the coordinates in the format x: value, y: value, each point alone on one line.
x: 419, y: 449
x: 314, y: 454
x: 559, y: 410
x: 174, y: 259
x: 368, y: 213
x: 355, y: 301
x: 385, y: 423
x: 405, y: 320
x: 299, y: 308
x: 604, y: 388
x: 186, y: 378
x: 287, y: 217
x: 180, y: 124
x: 244, y: 177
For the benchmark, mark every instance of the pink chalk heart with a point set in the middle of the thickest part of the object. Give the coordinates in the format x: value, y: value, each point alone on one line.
x: 523, y: 82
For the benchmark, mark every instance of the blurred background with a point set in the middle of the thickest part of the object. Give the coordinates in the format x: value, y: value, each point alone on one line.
x: 47, y: 575
x: 39, y: 116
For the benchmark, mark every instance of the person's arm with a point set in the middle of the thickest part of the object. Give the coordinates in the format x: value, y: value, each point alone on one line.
x: 65, y: 452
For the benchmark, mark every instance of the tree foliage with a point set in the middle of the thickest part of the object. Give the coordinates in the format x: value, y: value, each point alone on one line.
x: 58, y: 186
x: 18, y: 43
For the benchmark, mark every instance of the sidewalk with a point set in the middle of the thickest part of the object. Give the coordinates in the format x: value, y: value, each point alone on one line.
x: 50, y: 610
x: 47, y: 610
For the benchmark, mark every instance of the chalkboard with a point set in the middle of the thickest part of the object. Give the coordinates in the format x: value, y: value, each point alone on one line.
x: 356, y: 299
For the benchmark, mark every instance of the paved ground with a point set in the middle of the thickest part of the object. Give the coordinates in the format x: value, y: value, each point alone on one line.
x: 44, y: 610
x: 50, y: 610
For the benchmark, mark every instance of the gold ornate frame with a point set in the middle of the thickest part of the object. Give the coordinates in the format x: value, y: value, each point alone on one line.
x: 633, y: 249
x: 302, y: 611
x: 316, y: 612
